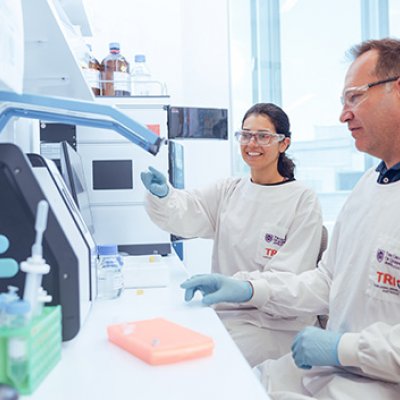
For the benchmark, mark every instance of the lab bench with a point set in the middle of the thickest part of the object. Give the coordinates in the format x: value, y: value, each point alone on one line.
x: 91, y: 367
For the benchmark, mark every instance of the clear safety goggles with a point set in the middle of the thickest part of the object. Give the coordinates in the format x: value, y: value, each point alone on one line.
x: 354, y: 95
x: 262, y: 138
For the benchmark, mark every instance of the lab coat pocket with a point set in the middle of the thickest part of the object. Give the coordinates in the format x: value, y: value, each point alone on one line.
x: 271, y: 239
x: 384, y: 273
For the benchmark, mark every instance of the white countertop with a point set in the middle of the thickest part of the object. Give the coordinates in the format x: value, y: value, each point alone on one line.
x: 93, y: 368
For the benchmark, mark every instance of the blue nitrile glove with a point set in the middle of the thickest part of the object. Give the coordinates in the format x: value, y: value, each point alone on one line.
x: 314, y: 346
x: 217, y: 288
x: 155, y: 182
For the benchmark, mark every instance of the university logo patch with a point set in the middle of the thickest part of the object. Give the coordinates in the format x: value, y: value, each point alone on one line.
x: 380, y: 255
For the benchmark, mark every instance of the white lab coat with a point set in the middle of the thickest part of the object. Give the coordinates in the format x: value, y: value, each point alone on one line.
x: 255, y: 228
x: 358, y: 283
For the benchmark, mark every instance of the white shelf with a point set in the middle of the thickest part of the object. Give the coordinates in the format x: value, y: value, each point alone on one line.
x: 52, y: 47
x: 77, y: 13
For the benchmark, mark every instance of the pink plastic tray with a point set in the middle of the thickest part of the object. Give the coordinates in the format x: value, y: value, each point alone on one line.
x: 159, y: 341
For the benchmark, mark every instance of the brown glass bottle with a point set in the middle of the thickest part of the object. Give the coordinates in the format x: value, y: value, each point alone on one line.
x: 115, y: 73
x: 93, y: 73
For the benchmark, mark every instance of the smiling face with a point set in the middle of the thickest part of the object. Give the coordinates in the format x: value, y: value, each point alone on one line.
x: 262, y: 160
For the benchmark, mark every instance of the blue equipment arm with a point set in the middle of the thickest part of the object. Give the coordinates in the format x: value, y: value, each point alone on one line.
x: 76, y: 112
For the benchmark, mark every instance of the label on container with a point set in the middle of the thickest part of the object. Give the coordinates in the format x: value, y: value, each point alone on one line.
x: 122, y: 81
x: 92, y: 77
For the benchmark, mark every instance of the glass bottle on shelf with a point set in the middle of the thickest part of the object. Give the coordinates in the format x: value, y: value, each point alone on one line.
x: 92, y: 72
x: 115, y: 73
x: 141, y: 77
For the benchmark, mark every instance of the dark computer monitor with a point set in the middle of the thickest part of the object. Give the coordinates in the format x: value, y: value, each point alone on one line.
x: 197, y: 123
x: 72, y: 172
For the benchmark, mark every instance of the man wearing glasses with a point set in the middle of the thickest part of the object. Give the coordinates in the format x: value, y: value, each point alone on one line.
x: 358, y: 279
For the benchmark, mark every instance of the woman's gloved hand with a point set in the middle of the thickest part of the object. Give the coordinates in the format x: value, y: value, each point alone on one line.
x: 314, y: 346
x: 155, y: 182
x: 217, y: 288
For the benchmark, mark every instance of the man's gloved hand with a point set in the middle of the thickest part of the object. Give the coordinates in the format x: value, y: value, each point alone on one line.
x: 217, y: 288
x: 155, y: 182
x: 314, y: 346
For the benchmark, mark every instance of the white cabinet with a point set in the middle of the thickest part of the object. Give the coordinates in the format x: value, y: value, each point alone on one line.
x: 54, y: 49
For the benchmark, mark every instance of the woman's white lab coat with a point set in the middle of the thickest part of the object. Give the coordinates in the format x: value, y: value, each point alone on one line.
x: 255, y: 228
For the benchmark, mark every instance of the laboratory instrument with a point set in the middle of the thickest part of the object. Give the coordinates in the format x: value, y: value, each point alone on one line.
x: 83, y: 247
x: 35, y: 266
x: 68, y: 280
x: 8, y: 266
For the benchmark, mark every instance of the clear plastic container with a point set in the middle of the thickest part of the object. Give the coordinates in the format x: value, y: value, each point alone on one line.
x: 110, y: 282
x: 5, y: 299
x: 115, y: 73
x: 17, y: 313
x: 17, y: 365
x: 17, y: 350
x: 141, y: 77
x: 7, y: 392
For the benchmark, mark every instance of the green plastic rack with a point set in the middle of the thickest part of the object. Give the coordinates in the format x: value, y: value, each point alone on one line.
x: 43, y: 338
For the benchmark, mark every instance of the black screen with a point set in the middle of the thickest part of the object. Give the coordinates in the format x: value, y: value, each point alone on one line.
x: 112, y: 174
x: 72, y: 172
x: 197, y: 123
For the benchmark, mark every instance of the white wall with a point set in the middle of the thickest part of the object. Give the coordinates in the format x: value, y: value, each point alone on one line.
x: 205, y: 52
x: 205, y: 83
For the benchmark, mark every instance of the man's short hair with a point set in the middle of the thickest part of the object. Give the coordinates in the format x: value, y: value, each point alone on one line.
x: 388, y: 63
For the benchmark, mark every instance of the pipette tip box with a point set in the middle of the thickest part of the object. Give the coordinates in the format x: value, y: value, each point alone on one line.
x: 159, y: 341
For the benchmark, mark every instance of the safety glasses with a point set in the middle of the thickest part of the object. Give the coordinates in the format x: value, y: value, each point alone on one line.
x: 262, y: 138
x: 353, y: 96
